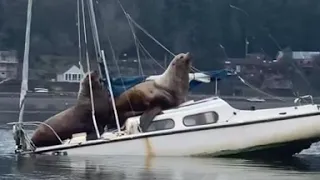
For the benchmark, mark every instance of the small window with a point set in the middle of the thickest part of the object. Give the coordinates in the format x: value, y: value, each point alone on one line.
x: 66, y: 77
x: 69, y: 77
x: 74, y: 77
x: 79, y: 77
x: 158, y: 125
x: 201, y: 119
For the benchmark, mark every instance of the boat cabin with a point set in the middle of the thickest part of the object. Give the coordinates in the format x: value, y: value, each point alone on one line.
x: 188, y: 115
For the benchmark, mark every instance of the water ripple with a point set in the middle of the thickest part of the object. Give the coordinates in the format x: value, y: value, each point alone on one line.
x: 303, y: 167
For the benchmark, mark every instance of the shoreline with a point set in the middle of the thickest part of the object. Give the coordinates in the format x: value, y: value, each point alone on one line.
x: 61, y: 101
x: 40, y: 106
x: 53, y: 102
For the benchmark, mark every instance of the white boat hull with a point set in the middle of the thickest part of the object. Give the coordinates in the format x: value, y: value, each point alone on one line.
x: 214, y: 141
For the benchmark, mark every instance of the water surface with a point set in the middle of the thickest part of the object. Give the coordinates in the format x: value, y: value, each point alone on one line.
x: 304, y: 167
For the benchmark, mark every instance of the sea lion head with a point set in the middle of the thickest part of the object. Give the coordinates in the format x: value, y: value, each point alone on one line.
x: 176, y: 76
x: 180, y: 66
x: 95, y: 79
x: 182, y: 61
x: 85, y: 84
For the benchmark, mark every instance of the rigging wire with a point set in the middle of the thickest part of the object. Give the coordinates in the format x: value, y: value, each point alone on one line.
x: 106, y: 73
x: 137, y: 47
x: 79, y: 42
x: 147, y: 52
x: 155, y: 40
x: 247, y: 83
x: 276, y: 43
x: 150, y: 64
x: 94, y: 30
x: 96, y: 41
x: 148, y: 34
x: 111, y: 92
x: 134, y: 36
x: 79, y: 35
x: 115, y: 60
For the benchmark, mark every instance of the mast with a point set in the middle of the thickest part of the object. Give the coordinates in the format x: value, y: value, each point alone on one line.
x: 101, y: 59
x: 88, y: 69
x: 20, y: 141
x: 95, y: 34
x: 25, y: 66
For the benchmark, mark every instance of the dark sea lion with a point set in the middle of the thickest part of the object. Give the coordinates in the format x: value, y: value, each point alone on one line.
x: 150, y: 98
x: 77, y: 118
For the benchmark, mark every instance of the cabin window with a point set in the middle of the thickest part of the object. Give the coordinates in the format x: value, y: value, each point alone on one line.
x: 79, y: 77
x: 66, y: 77
x: 158, y: 125
x: 201, y: 119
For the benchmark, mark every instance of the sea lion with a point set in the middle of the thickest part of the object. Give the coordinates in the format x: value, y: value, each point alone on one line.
x: 77, y: 118
x: 149, y: 98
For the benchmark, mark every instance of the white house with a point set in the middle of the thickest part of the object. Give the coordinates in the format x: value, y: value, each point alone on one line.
x: 72, y: 74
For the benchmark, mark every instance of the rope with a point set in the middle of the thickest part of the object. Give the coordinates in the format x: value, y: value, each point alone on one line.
x: 28, y: 139
x: 254, y: 88
x: 35, y: 123
x: 47, y: 125
x: 89, y: 72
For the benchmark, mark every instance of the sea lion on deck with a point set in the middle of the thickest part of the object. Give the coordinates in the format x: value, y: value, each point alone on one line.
x: 149, y: 98
x: 77, y: 118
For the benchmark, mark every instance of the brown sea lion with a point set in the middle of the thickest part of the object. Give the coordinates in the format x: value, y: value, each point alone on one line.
x: 77, y: 118
x: 149, y: 98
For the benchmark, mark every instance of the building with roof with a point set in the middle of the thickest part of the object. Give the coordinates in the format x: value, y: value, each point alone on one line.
x: 302, y: 58
x: 70, y: 74
x: 8, y: 65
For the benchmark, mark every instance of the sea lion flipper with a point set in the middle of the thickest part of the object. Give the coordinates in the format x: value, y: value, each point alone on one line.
x: 147, y: 117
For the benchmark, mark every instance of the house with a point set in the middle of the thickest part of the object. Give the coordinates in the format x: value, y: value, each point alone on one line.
x: 8, y: 64
x: 302, y: 58
x: 71, y: 74
x: 252, y: 64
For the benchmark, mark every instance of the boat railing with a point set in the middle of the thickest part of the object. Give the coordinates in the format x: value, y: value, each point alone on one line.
x: 300, y: 98
x: 36, y: 123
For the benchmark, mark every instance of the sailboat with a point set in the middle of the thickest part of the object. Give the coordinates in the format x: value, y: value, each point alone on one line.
x: 206, y: 127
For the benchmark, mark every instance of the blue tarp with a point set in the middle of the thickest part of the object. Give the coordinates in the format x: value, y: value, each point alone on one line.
x: 121, y: 84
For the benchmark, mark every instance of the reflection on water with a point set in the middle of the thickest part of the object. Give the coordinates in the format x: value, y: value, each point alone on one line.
x: 130, y: 168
